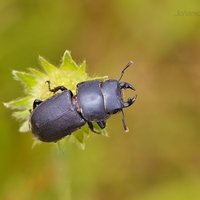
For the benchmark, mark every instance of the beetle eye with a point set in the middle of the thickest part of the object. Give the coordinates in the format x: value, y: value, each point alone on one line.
x: 116, y: 111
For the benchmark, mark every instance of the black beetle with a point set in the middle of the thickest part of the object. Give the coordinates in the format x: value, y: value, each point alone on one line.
x: 64, y: 113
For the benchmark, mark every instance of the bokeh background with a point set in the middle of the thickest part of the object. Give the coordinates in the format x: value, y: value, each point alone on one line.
x: 160, y: 157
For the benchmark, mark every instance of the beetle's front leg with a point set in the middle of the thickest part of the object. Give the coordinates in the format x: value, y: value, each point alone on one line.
x: 92, y: 128
x: 102, y: 124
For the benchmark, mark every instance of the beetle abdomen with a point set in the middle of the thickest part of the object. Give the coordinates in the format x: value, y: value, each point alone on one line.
x: 55, y: 118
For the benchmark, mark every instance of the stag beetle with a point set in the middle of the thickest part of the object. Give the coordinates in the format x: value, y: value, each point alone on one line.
x: 64, y: 113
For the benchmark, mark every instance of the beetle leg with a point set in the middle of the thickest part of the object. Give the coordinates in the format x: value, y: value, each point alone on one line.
x: 129, y: 102
x: 92, y: 128
x: 102, y: 124
x: 54, y: 90
x: 125, y: 85
x: 125, y: 127
x: 36, y: 103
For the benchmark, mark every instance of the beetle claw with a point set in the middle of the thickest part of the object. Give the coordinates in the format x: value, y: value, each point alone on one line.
x: 125, y: 85
x: 129, y: 102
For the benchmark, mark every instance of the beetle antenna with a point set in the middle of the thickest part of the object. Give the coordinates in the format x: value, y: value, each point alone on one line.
x: 122, y: 73
x: 125, y: 127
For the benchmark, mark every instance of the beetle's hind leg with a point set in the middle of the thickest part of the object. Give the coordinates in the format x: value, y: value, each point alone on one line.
x: 54, y: 90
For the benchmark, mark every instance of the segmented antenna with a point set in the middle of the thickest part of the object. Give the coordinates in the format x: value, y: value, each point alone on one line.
x: 122, y: 73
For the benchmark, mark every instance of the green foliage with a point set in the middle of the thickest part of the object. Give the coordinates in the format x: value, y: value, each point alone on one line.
x: 68, y: 74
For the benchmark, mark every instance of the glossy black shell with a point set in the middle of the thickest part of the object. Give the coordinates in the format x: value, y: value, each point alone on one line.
x: 55, y: 118
x: 97, y: 99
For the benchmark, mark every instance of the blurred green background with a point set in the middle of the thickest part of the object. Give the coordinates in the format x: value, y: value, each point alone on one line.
x: 160, y: 157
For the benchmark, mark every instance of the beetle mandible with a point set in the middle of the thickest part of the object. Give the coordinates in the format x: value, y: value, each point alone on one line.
x: 64, y: 113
